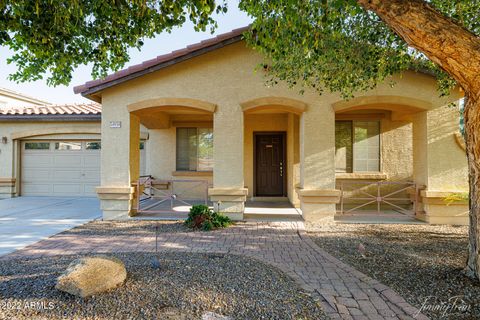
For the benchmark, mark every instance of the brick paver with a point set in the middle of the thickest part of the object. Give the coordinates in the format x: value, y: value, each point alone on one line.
x: 343, y: 292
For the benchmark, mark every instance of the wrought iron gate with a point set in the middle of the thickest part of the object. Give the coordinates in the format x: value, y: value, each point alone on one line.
x: 365, y: 195
x: 163, y: 196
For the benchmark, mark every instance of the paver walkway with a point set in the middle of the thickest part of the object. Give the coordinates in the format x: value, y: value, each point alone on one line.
x: 344, y: 292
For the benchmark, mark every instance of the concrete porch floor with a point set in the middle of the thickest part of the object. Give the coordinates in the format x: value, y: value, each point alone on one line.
x: 271, y: 211
x: 274, y: 210
x: 264, y: 211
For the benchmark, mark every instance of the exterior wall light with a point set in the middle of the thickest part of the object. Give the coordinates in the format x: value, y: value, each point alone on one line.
x: 4, y: 140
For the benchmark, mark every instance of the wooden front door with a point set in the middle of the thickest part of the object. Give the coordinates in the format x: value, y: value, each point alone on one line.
x: 269, y: 165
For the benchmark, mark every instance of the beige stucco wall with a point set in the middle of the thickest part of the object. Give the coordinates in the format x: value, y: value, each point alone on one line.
x: 440, y: 165
x: 226, y: 78
x: 396, y: 150
x: 293, y: 158
x: 161, y: 153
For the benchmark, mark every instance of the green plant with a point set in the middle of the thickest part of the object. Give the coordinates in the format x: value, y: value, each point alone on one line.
x: 204, y: 218
x: 456, y: 197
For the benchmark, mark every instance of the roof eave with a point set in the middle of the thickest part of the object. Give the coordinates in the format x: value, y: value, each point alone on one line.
x: 89, y: 92
x: 24, y: 98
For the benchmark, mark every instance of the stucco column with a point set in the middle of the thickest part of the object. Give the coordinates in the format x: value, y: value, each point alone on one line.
x: 317, y: 163
x: 120, y: 161
x: 228, y: 193
x: 293, y: 155
x: 439, y: 166
x: 9, y: 152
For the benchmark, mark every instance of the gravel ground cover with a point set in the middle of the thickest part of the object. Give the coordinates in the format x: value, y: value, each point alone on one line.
x: 423, y: 263
x: 186, y: 286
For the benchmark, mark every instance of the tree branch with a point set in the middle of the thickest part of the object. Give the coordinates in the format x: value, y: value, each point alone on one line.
x: 455, y: 49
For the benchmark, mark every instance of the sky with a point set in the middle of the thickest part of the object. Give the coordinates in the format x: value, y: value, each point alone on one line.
x: 163, y: 43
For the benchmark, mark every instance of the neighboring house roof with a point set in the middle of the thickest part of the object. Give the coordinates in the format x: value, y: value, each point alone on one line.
x: 161, y: 62
x: 21, y: 97
x: 66, y: 112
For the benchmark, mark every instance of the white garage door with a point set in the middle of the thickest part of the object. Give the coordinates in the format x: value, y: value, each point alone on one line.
x: 60, y: 168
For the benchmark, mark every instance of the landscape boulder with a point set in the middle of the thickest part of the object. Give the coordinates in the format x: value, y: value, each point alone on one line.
x: 214, y: 316
x: 88, y: 276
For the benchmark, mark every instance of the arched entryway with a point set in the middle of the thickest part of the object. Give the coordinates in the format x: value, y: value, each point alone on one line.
x: 271, y: 148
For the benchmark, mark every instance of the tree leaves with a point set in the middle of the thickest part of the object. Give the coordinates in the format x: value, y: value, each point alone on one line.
x: 53, y: 37
x: 337, y: 45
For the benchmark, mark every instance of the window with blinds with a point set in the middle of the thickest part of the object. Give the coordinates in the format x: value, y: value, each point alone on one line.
x: 194, y: 149
x: 357, y: 146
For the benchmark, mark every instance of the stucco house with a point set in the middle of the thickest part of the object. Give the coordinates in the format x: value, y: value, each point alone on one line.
x: 211, y: 121
x: 10, y: 98
x: 271, y: 142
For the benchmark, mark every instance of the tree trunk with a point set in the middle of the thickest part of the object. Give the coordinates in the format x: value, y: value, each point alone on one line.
x: 457, y: 51
x: 472, y: 130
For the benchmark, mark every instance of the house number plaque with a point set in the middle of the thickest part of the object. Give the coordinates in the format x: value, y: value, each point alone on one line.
x: 115, y: 124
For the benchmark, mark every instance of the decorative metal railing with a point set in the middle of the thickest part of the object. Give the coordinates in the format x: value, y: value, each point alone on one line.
x: 164, y: 196
x: 381, y: 196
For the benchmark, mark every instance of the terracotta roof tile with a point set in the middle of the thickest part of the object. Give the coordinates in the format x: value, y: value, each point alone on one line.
x: 67, y: 109
x: 139, y: 68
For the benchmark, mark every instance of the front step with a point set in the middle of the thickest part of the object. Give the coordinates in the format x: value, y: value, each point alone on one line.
x: 268, y: 217
x: 268, y: 199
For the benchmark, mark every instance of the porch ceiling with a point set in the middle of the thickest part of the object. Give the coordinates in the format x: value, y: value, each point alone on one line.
x: 274, y: 105
x: 396, y: 111
x: 272, y: 109
x: 165, y: 116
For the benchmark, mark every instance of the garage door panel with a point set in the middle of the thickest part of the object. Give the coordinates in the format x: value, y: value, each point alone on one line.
x: 91, y: 175
x: 89, y: 189
x: 92, y: 160
x: 68, y: 161
x: 36, y: 160
x: 36, y: 188
x: 62, y: 175
x: 36, y: 175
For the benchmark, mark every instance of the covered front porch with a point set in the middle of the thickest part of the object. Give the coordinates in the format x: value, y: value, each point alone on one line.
x: 279, y: 158
x: 210, y: 117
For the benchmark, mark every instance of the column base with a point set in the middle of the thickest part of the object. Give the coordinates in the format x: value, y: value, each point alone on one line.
x: 116, y: 202
x: 318, y: 205
x: 436, y: 210
x: 7, y: 188
x: 229, y: 201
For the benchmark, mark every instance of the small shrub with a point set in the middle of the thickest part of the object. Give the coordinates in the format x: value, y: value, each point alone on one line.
x: 204, y: 218
x: 456, y: 197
